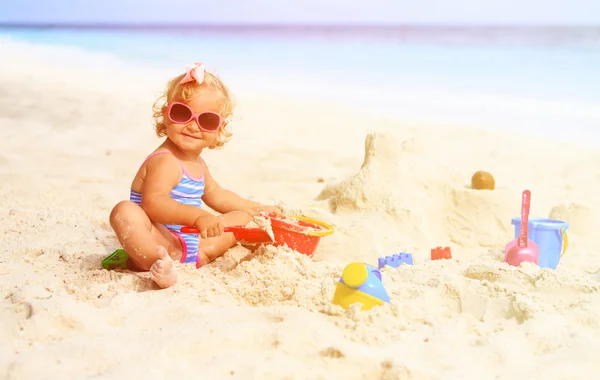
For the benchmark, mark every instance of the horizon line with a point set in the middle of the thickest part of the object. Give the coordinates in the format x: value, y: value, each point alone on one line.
x: 265, y: 25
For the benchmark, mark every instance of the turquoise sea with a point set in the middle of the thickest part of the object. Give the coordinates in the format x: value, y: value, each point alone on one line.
x: 541, y: 80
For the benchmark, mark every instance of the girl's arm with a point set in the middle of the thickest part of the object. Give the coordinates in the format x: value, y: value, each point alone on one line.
x: 163, y: 173
x: 224, y: 201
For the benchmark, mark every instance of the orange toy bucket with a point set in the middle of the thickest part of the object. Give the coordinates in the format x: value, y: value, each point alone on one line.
x: 300, y: 233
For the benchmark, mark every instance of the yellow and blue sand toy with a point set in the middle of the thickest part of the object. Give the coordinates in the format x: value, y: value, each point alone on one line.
x: 360, y: 283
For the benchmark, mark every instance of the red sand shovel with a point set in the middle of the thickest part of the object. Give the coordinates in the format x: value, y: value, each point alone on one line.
x: 242, y: 234
x: 522, y: 249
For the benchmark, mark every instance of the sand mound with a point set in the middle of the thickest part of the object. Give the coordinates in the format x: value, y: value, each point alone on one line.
x: 429, y: 203
x: 387, y: 174
x: 479, y: 218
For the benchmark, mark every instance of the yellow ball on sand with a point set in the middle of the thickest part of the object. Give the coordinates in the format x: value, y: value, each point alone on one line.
x: 483, y: 181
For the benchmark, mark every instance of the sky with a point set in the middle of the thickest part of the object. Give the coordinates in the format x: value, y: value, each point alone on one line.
x: 464, y: 12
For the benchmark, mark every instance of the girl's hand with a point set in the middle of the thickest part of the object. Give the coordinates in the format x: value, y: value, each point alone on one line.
x: 254, y: 211
x: 210, y: 226
x: 271, y: 209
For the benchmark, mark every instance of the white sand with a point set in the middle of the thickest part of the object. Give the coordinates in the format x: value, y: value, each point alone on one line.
x: 73, y: 137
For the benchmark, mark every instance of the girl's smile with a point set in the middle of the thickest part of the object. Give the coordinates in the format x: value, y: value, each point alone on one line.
x: 192, y: 137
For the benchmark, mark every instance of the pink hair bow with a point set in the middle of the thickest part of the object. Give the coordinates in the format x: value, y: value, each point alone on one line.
x: 193, y: 72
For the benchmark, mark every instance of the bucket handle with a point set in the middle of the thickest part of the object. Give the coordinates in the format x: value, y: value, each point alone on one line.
x: 327, y: 228
x: 565, y: 237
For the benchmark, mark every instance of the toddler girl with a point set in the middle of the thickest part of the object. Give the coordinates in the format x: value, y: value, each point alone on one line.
x: 172, y: 183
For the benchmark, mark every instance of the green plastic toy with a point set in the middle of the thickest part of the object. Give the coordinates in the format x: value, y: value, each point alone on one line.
x: 117, y: 259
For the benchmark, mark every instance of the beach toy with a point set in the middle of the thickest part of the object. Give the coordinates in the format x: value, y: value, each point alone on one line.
x: 439, y: 253
x: 395, y: 260
x: 551, y: 237
x: 522, y: 249
x: 299, y: 233
x: 483, y: 181
x: 360, y: 283
x: 117, y: 259
x: 241, y: 233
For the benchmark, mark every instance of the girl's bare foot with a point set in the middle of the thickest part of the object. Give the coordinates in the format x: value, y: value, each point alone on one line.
x: 163, y: 270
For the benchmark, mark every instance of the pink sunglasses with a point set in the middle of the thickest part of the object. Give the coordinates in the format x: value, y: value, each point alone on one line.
x: 180, y: 113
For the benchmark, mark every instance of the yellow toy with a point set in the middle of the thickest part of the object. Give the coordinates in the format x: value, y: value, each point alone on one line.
x: 360, y: 283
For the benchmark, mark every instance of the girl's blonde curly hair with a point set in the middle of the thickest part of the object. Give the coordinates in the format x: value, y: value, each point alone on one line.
x: 188, y: 91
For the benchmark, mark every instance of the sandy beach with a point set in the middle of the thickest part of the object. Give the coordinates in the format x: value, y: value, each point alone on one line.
x: 76, y: 127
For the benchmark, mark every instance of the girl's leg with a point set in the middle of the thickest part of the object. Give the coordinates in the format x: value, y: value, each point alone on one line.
x: 211, y: 248
x: 150, y: 246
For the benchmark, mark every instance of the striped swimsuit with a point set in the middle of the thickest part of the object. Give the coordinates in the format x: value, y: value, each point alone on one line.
x: 188, y: 191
